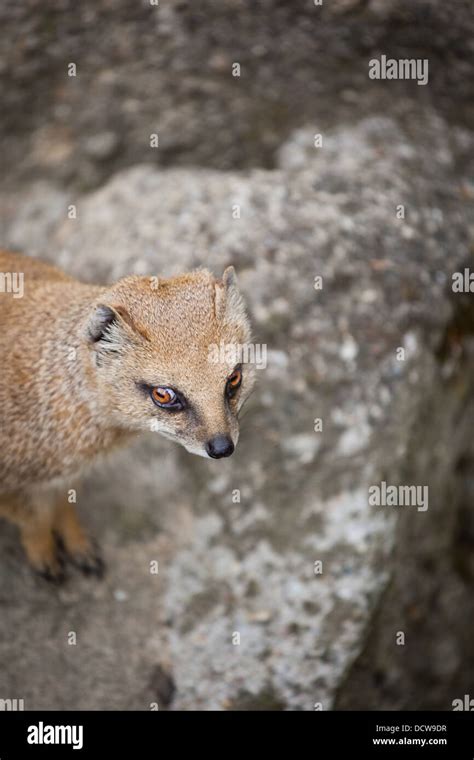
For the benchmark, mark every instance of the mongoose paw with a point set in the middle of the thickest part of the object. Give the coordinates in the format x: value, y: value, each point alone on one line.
x: 52, y: 571
x: 89, y: 561
x: 44, y: 556
x: 78, y: 549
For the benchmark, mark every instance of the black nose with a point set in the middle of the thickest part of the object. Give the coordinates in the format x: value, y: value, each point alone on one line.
x: 219, y: 446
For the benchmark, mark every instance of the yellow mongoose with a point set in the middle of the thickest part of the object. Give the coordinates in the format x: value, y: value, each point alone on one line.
x: 84, y: 367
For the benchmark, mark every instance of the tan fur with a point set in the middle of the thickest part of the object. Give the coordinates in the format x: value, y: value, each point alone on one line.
x: 65, y: 398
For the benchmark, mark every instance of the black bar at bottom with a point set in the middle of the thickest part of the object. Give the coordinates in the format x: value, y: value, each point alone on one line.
x: 316, y: 734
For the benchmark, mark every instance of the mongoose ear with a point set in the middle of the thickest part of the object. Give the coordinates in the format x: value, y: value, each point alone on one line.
x: 110, y: 325
x: 100, y: 321
x: 228, y: 301
x: 229, y: 278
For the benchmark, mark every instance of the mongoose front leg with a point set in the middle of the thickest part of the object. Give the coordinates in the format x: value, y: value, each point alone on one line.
x: 34, y: 516
x: 51, y: 533
x: 78, y: 547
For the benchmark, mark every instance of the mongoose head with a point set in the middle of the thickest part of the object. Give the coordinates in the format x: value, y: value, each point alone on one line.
x: 165, y: 358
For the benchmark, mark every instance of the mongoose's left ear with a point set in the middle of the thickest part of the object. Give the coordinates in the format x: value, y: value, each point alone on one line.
x: 229, y: 278
x: 229, y: 305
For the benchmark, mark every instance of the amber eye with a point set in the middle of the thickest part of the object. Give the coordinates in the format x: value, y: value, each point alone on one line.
x: 233, y: 382
x: 164, y: 396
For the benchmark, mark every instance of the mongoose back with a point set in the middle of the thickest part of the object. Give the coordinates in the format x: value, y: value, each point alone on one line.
x: 86, y: 367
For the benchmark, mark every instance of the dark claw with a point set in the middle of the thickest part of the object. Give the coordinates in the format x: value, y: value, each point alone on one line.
x: 56, y: 576
x: 90, y: 564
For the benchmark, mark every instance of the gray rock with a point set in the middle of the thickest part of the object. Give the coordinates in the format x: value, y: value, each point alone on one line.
x: 167, y: 69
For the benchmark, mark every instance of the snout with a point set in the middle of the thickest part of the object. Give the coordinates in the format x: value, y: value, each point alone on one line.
x: 220, y: 446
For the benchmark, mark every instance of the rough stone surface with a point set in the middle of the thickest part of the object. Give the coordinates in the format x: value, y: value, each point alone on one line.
x: 248, y: 567
x: 143, y: 69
